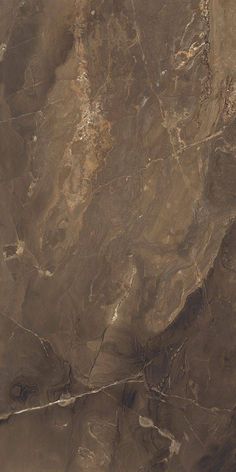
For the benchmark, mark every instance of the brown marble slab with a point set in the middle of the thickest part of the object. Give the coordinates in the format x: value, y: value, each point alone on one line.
x: 117, y: 236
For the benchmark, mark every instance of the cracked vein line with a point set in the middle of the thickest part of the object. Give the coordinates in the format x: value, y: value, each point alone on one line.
x: 202, y: 141
x: 27, y: 330
x: 162, y: 432
x: 154, y: 161
x: 213, y: 409
x: 70, y: 401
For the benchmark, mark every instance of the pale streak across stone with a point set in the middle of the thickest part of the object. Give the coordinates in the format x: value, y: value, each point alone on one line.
x: 174, y: 448
x: 70, y: 400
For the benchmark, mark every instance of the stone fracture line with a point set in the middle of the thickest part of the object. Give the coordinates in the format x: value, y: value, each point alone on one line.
x: 64, y: 402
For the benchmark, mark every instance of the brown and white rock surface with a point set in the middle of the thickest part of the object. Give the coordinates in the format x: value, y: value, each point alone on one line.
x: 118, y: 235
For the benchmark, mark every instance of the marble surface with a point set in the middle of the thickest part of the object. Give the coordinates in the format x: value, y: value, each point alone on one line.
x: 117, y: 235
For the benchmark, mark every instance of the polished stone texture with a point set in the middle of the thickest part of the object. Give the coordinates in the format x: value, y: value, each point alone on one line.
x: 118, y: 235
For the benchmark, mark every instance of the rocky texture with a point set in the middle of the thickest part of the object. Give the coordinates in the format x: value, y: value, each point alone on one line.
x: 117, y: 235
